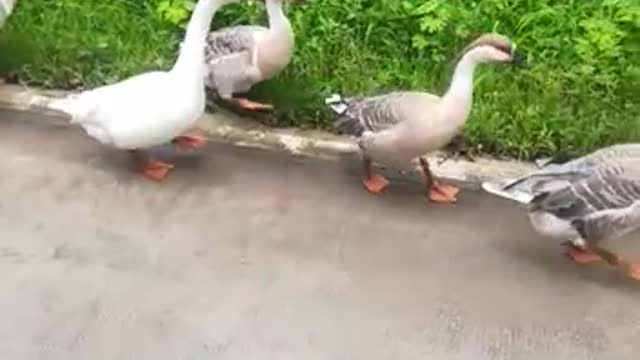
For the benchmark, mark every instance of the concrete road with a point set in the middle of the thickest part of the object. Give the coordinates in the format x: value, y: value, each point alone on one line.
x: 245, y: 254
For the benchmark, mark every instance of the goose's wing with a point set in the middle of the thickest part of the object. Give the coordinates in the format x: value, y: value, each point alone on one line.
x: 525, y: 188
x: 600, y: 206
x: 602, y: 157
x: 229, y: 54
x: 228, y: 70
x: 377, y: 113
x: 555, y: 176
x: 231, y: 40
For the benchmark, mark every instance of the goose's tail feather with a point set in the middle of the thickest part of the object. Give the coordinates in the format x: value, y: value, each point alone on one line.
x: 525, y: 188
x: 503, y: 190
x: 337, y: 104
x: 346, y: 123
x: 72, y: 105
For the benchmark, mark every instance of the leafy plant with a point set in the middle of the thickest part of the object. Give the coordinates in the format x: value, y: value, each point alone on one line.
x: 581, y: 90
x: 174, y: 11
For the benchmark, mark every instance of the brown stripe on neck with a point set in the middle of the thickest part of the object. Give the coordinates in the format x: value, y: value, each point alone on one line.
x: 497, y: 41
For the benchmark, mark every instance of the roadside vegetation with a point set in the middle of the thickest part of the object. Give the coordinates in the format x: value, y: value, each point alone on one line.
x: 580, y: 91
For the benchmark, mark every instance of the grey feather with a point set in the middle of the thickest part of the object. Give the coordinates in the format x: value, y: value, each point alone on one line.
x: 230, y: 40
x: 597, y: 195
x: 228, y: 55
x: 374, y: 114
x: 227, y: 71
x: 584, y: 197
x: 559, y: 175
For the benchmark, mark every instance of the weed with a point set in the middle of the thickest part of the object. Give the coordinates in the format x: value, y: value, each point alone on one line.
x: 581, y: 90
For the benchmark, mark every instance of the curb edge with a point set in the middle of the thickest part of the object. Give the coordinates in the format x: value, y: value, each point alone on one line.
x: 230, y: 128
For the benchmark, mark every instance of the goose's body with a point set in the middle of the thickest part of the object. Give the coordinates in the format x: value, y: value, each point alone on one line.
x: 584, y: 201
x: 153, y: 108
x: 137, y: 113
x: 239, y: 57
x: 399, y: 127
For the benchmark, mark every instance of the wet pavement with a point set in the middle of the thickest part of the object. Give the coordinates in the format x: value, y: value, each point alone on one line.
x: 249, y: 254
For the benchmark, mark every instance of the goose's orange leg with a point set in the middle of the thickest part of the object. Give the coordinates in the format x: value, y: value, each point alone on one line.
x: 438, y: 193
x: 151, y: 169
x: 634, y: 271
x: 375, y: 184
x: 252, y: 105
x: 189, y: 142
x: 592, y: 253
x: 631, y: 270
x: 582, y: 255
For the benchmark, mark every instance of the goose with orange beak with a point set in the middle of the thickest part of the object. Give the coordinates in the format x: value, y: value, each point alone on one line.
x: 398, y: 127
x: 239, y: 57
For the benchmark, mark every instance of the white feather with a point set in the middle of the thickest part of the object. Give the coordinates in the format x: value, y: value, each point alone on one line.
x: 152, y: 108
x: 336, y: 104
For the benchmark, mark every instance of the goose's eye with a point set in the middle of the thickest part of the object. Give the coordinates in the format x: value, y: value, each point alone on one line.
x: 504, y: 48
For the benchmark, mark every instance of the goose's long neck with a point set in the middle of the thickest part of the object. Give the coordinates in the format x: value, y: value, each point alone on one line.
x: 278, y: 21
x: 459, y: 96
x: 191, y: 58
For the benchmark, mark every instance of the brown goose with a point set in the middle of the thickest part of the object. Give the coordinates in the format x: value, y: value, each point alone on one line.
x: 583, y: 202
x: 241, y: 56
x: 399, y: 127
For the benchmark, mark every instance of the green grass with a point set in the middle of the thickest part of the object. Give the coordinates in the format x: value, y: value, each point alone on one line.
x: 66, y: 43
x: 581, y: 90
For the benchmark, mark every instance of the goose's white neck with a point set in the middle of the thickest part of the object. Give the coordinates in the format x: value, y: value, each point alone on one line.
x: 459, y: 96
x: 190, y: 62
x: 275, y: 48
x: 278, y: 21
x: 461, y: 87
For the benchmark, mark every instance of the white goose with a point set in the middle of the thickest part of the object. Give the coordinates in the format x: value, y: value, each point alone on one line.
x: 153, y: 108
x: 241, y: 56
x: 583, y: 202
x: 398, y: 127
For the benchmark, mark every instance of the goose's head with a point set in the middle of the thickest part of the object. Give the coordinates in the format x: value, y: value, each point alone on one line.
x: 494, y: 48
